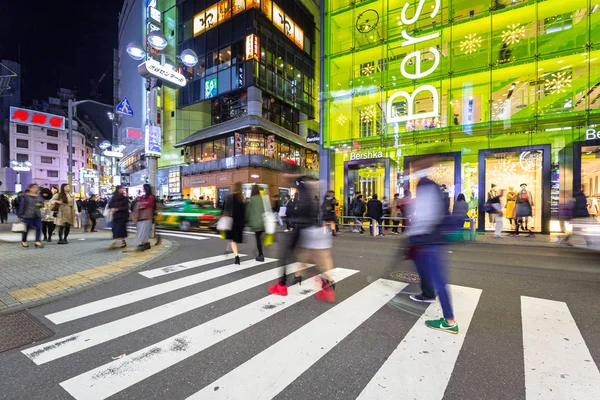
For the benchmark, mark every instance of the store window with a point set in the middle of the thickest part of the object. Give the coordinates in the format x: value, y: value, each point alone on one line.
x: 441, y: 170
x: 254, y: 144
x: 207, y: 151
x: 220, y: 148
x: 23, y: 143
x: 590, y: 178
x: 520, y: 174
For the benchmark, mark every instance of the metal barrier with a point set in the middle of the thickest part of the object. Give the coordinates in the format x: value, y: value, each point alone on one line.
x: 400, y: 225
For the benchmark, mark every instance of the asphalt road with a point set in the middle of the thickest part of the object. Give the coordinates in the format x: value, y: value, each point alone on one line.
x: 529, y: 320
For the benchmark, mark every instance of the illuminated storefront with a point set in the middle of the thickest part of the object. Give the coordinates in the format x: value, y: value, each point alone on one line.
x: 504, y: 92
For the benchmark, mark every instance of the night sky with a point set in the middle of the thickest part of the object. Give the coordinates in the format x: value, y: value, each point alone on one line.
x: 60, y: 43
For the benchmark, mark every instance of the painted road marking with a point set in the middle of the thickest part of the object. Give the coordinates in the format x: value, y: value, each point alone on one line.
x: 268, y: 373
x: 185, y: 236
x: 110, y: 303
x: 170, y: 269
x: 421, y: 365
x: 120, y: 374
x: 65, y: 346
x: 558, y: 364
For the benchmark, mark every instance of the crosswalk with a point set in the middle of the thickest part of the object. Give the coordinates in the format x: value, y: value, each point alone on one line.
x: 557, y: 363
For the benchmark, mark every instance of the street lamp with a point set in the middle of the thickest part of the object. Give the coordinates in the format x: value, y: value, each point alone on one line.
x: 18, y: 167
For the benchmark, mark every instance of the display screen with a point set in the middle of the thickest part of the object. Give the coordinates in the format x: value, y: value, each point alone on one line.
x: 210, y: 88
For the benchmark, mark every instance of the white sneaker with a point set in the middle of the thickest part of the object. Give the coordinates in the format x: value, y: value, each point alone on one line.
x: 287, y: 230
x: 498, y: 237
x: 354, y: 231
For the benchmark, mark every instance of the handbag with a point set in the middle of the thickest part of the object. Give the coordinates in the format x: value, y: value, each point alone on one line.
x: 54, y: 207
x: 283, y: 211
x: 225, y: 223
x: 19, y: 227
x: 269, y: 219
x: 107, y: 214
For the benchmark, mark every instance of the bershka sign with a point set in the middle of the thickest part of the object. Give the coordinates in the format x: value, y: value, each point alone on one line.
x: 592, y: 134
x: 153, y: 69
x: 365, y: 155
x: 414, y: 58
x: 37, y: 118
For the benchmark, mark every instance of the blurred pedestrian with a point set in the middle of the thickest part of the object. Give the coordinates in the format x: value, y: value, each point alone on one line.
x: 426, y: 247
x: 374, y: 213
x: 31, y: 214
x: 328, y: 211
x: 119, y: 206
x: 234, y: 208
x: 67, y: 212
x: 288, y: 205
x: 143, y: 214
x: 496, y: 203
x: 446, y: 198
x: 577, y: 210
x: 254, y: 219
x: 407, y: 208
x: 395, y: 212
x: 49, y: 216
x: 91, y: 208
x: 4, y: 209
x: 386, y: 212
x: 358, y: 211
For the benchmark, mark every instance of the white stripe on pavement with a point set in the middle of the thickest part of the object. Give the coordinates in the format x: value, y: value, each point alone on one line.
x: 558, y: 364
x: 421, y: 365
x: 109, y: 303
x: 62, y: 347
x: 120, y: 374
x: 170, y: 269
x: 185, y: 236
x: 268, y: 373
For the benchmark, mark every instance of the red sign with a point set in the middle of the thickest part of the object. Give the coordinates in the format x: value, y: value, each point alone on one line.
x: 37, y: 118
x: 133, y: 133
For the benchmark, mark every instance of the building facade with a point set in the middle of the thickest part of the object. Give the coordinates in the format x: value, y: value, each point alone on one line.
x: 502, y: 92
x: 249, y: 104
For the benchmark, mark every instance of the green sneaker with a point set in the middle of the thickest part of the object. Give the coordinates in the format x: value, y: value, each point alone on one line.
x: 442, y: 325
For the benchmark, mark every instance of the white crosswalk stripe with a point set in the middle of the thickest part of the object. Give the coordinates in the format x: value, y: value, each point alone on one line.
x: 109, y: 303
x: 557, y: 362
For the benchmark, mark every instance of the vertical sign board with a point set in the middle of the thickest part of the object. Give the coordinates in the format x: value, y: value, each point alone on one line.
x: 153, y: 141
x: 238, y: 144
x: 467, y: 108
x: 252, y: 47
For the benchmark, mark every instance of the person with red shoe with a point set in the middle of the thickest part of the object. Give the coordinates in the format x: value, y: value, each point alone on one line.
x: 308, y: 242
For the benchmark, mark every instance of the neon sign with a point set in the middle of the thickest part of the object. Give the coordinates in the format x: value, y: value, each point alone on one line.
x: 170, y: 78
x: 252, y: 47
x: 415, y: 59
x: 36, y: 118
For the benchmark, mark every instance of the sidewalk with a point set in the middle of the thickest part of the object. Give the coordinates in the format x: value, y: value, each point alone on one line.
x: 30, y: 274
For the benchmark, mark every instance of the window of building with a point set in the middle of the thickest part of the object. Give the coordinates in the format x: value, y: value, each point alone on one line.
x: 52, y: 174
x: 46, y: 160
x: 74, y: 163
x: 207, y: 151
x: 23, y: 143
x: 220, y: 148
x: 230, y: 146
x: 52, y: 132
x: 22, y: 157
x: 225, y: 58
x: 254, y: 144
x: 52, y: 146
x: 22, y: 129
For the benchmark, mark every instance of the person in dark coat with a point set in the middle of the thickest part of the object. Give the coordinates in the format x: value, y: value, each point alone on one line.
x: 234, y: 207
x: 4, y: 208
x: 119, y: 205
x: 375, y: 212
x: 577, y: 210
x: 91, y: 207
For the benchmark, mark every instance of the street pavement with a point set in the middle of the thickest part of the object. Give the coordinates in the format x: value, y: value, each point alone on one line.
x: 193, y: 325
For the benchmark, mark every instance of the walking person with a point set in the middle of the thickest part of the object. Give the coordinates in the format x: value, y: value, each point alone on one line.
x: 358, y: 211
x: 328, y: 211
x: 254, y: 219
x: 31, y: 214
x: 577, y: 211
x: 497, y: 212
x: 4, y: 209
x: 288, y: 205
x: 374, y: 213
x: 461, y: 207
x: 407, y: 209
x: 234, y: 208
x: 49, y: 216
x: 395, y: 212
x: 67, y: 212
x: 92, y: 211
x: 427, y: 249
x: 143, y: 214
x: 386, y: 212
x: 119, y: 206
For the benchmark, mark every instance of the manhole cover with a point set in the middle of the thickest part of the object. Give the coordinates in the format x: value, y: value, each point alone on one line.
x: 406, y: 276
x: 19, y: 329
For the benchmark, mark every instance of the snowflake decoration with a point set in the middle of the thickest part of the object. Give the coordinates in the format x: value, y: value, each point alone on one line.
x: 514, y: 34
x: 531, y: 161
x: 558, y: 82
x: 368, y: 69
x: 503, y: 170
x: 368, y: 114
x: 341, y: 120
x: 471, y: 44
x: 439, y: 173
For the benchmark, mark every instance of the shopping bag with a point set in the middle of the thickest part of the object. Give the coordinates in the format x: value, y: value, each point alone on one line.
x: 225, y: 224
x: 19, y: 227
x: 269, y: 219
x: 282, y: 211
x: 223, y: 235
x: 108, y: 214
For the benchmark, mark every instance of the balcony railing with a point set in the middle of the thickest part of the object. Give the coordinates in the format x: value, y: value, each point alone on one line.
x: 248, y: 160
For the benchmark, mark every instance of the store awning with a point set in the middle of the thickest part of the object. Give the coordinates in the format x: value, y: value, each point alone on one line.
x: 253, y: 122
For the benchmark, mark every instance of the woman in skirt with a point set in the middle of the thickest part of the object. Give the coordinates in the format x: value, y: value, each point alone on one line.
x: 119, y: 206
x: 144, y: 212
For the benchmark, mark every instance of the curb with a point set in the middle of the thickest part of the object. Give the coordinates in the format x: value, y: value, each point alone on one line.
x: 97, y: 276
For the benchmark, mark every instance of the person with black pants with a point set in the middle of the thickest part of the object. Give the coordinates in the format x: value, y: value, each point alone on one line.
x: 48, y: 216
x: 92, y: 209
x: 254, y: 219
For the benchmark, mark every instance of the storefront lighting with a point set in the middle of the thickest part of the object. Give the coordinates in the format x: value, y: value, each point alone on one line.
x: 560, y: 61
x: 368, y: 69
x: 189, y: 58
x: 136, y: 51
x: 514, y: 34
x: 368, y: 114
x: 471, y: 44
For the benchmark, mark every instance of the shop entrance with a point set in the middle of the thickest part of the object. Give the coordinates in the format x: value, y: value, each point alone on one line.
x: 368, y: 177
x: 586, y: 173
x: 525, y: 175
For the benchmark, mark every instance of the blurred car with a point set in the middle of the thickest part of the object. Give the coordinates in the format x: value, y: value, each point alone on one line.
x: 187, y: 215
x: 586, y: 233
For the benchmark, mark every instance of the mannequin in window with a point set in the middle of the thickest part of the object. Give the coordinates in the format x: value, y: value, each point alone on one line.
x: 490, y: 195
x: 524, y: 209
x: 511, y: 198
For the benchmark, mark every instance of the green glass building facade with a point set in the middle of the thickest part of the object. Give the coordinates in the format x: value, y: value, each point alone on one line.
x: 503, y: 92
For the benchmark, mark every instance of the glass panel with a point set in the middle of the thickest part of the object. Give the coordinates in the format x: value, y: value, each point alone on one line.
x: 254, y: 144
x: 220, y: 148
